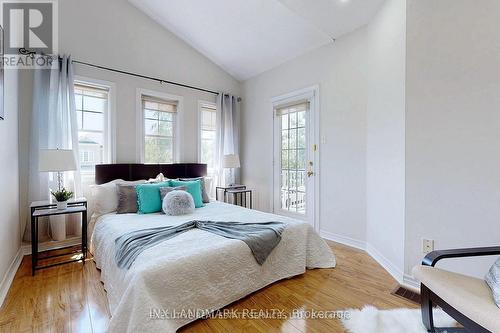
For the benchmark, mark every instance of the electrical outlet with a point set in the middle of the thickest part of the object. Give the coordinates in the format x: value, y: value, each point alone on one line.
x: 427, y: 245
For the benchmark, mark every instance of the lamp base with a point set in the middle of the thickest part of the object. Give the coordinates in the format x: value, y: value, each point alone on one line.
x: 60, y: 183
x: 58, y: 227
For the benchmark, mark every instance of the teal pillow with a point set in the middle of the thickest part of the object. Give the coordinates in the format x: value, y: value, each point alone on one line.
x: 148, y: 197
x: 193, y: 187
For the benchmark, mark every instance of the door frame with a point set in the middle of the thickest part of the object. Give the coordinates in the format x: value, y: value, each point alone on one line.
x: 312, y: 95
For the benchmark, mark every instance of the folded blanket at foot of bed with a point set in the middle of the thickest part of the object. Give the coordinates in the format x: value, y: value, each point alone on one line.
x: 261, y: 238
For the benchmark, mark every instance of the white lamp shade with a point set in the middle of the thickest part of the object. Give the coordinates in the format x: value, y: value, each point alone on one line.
x: 56, y: 160
x: 231, y: 161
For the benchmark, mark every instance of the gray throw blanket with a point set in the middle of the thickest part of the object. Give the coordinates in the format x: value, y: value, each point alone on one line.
x: 261, y: 238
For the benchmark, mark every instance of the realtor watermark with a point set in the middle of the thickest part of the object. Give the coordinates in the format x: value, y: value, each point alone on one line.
x: 30, y: 33
x: 280, y: 314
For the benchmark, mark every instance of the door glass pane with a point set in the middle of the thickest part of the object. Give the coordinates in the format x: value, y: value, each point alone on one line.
x: 293, y: 139
x: 301, y: 119
x: 284, y: 139
x: 284, y: 121
x: 284, y: 160
x: 301, y: 138
x: 293, y: 160
x: 293, y: 119
x: 301, y: 159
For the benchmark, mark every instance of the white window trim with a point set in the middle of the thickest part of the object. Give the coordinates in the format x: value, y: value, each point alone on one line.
x: 109, y: 119
x: 179, y: 121
x: 202, y: 104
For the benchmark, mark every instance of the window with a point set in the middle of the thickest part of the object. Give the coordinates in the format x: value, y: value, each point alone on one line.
x: 92, y: 107
x: 159, y: 129
x: 208, y: 116
x: 293, y: 126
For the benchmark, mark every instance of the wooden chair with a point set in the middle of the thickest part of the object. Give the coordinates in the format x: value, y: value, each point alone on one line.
x: 468, y: 300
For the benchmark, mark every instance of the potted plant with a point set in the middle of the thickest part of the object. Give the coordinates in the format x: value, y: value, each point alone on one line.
x: 62, y: 197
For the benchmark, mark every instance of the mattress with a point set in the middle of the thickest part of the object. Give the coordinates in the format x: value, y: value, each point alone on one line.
x: 183, y: 278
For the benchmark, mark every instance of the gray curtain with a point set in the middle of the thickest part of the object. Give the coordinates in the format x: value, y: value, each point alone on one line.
x: 53, y: 125
x: 228, y: 135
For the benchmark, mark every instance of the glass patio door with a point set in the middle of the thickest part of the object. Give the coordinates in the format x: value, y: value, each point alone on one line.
x: 293, y: 161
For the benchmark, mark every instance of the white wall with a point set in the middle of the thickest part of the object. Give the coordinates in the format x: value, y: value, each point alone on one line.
x: 453, y: 127
x: 420, y: 84
x: 385, y: 138
x: 10, y: 235
x: 340, y: 71
x: 115, y: 34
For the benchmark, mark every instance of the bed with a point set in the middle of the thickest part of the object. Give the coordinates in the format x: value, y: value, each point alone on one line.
x: 186, y: 277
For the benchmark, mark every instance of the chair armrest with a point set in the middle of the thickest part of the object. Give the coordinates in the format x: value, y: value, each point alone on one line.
x: 433, y: 257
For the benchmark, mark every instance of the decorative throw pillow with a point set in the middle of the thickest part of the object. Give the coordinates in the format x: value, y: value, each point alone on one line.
x: 165, y: 190
x: 193, y: 187
x: 493, y: 280
x: 178, y: 203
x: 204, y: 185
x: 105, y: 196
x: 127, y: 199
x: 160, y: 178
x: 148, y: 197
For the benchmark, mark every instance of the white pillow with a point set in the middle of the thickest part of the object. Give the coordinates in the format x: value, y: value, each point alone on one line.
x: 178, y: 202
x: 105, y: 196
x: 493, y: 280
x: 160, y: 178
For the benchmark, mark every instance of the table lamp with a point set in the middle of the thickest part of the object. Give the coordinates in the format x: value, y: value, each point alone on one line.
x: 56, y: 160
x: 231, y: 161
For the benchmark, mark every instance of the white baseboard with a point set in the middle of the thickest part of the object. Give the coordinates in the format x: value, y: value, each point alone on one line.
x: 361, y: 245
x: 392, y: 269
x: 410, y: 282
x: 403, y: 279
x: 26, y: 250
x: 10, y: 274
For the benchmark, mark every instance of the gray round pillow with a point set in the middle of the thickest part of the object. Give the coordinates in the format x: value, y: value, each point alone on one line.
x: 178, y: 203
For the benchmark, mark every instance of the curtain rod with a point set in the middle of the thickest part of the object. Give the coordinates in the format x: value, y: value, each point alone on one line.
x: 144, y: 77
x: 24, y: 51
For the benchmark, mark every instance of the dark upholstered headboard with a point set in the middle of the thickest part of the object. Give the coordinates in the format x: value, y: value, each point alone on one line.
x: 107, y: 172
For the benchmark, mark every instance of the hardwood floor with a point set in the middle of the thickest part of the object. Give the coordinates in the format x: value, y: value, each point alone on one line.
x: 71, y: 298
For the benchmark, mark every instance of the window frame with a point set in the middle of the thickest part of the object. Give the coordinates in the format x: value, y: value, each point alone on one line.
x: 201, y: 105
x: 109, y: 126
x: 140, y: 135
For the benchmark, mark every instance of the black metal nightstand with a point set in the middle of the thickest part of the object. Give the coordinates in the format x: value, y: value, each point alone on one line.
x: 44, y: 208
x: 239, y: 192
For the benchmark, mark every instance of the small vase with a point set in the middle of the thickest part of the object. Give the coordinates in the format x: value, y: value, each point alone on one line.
x: 61, y: 205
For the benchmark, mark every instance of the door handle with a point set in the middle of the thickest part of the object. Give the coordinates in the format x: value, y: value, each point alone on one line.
x: 310, y: 172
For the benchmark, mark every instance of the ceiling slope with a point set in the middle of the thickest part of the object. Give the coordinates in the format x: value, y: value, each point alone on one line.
x: 248, y: 37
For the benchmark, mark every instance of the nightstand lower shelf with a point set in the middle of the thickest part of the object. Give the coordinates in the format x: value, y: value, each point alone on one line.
x: 80, y: 252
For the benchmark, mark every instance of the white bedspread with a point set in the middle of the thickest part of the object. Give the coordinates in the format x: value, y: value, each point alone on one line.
x: 197, y: 269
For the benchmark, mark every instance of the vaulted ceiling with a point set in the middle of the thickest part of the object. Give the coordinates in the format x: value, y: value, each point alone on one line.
x: 248, y: 37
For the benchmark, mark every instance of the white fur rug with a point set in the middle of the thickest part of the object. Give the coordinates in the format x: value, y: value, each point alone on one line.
x: 371, y: 320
